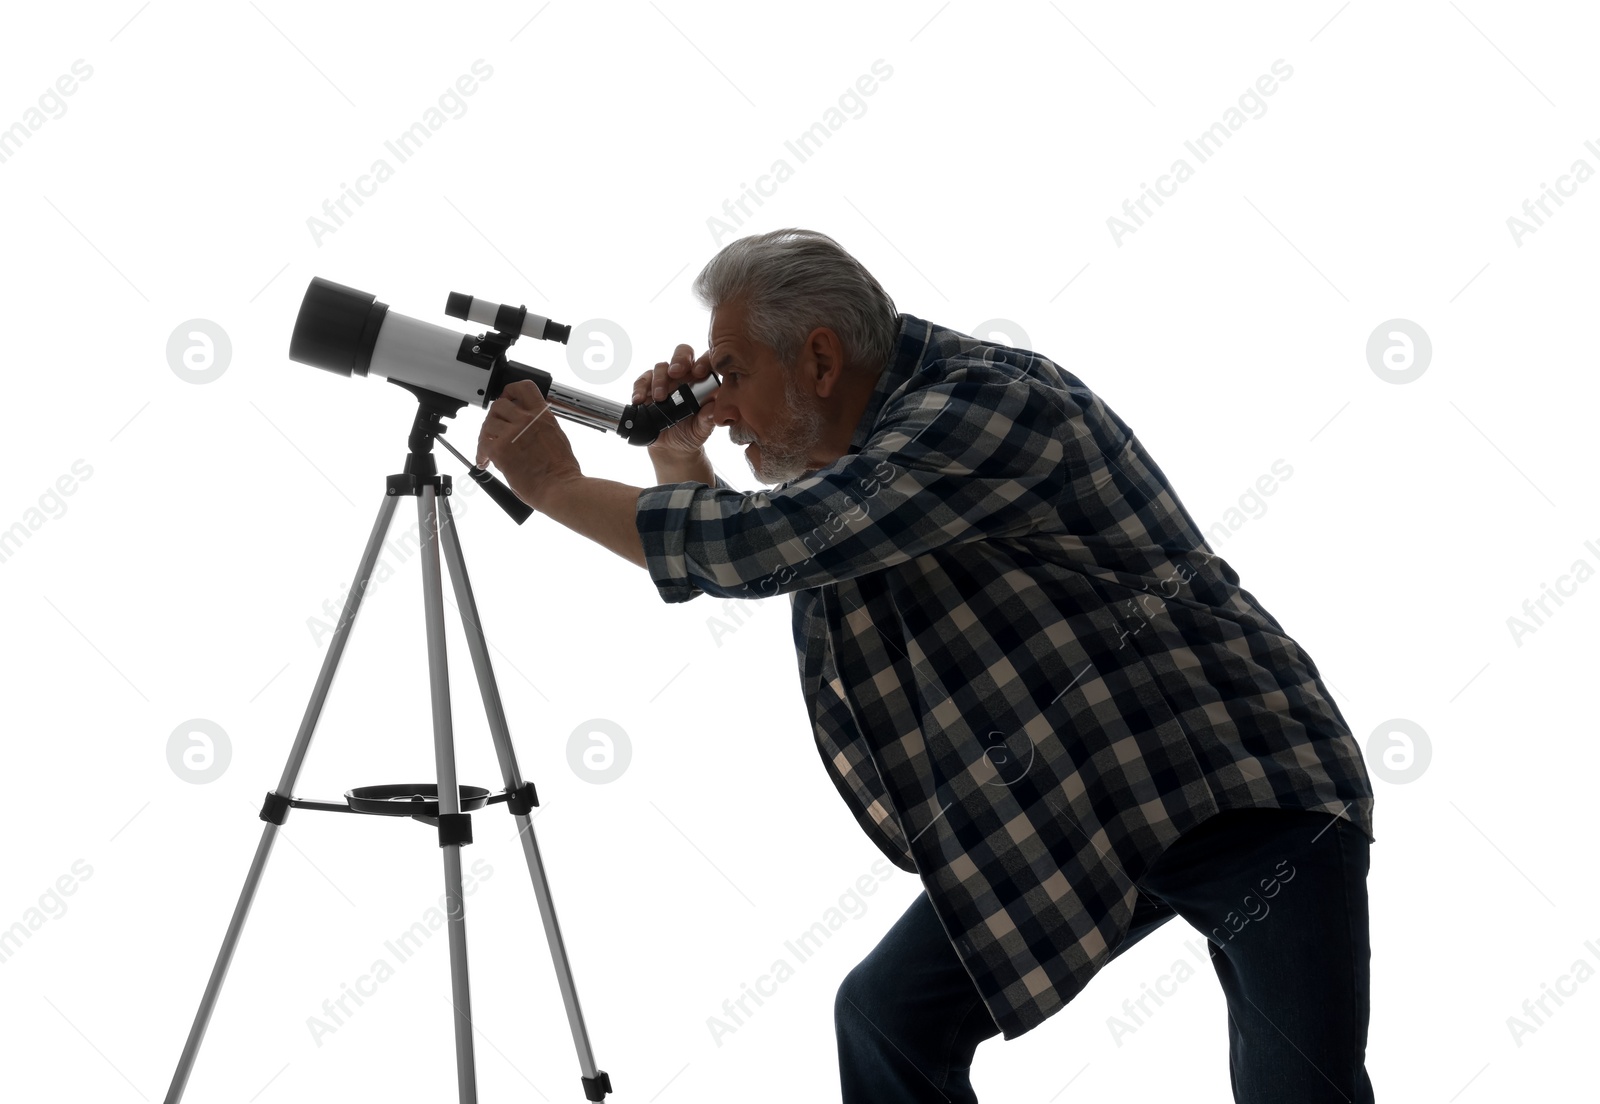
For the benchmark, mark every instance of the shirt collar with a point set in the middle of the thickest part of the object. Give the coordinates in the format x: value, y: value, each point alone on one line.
x: 910, y: 345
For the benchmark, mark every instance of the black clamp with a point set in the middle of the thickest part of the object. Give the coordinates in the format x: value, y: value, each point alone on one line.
x: 275, y: 809
x: 509, y: 320
x: 596, y: 1087
x: 488, y: 349
x: 455, y: 828
x: 521, y: 800
x: 411, y: 483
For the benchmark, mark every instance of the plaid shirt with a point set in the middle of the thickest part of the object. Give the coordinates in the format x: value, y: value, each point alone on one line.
x: 1027, y: 672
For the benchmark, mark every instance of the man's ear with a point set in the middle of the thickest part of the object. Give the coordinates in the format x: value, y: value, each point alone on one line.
x: 827, y: 355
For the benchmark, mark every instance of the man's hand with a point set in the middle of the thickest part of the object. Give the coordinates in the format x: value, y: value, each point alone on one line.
x: 521, y: 437
x: 686, y: 439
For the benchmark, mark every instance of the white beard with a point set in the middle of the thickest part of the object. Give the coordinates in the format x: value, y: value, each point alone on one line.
x: 786, y: 451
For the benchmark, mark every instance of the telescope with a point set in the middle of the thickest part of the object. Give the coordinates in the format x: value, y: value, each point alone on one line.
x: 349, y: 332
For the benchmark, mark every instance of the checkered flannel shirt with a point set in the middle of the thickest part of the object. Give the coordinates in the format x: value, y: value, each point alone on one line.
x: 1027, y: 672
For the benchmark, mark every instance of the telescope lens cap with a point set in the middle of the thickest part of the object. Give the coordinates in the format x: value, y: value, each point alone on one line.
x: 336, y: 328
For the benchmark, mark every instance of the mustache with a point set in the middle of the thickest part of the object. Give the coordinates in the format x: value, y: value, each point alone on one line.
x: 740, y: 436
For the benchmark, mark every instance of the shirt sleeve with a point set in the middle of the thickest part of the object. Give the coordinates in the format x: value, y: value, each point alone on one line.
x: 962, y: 455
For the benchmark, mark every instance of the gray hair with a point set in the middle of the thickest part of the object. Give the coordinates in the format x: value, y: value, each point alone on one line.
x: 792, y: 281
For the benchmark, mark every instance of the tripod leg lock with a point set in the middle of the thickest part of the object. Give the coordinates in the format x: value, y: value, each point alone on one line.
x: 275, y: 809
x: 520, y: 801
x: 596, y: 1087
x: 455, y: 828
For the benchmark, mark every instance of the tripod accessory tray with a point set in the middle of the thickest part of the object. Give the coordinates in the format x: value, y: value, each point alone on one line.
x: 419, y: 800
x: 410, y: 799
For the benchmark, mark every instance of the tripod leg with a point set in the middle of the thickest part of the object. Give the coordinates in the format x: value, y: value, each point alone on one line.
x: 291, y: 770
x: 444, y: 758
x: 478, y: 647
x: 219, y: 971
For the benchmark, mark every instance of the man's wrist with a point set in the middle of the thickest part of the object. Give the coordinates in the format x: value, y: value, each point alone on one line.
x: 679, y: 468
x: 549, y: 492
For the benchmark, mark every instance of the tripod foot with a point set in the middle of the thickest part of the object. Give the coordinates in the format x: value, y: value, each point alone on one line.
x: 596, y: 1087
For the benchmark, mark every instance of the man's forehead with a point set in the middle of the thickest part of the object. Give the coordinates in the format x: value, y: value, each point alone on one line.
x: 723, y: 329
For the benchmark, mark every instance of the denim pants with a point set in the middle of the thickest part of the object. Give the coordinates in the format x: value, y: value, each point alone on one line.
x: 1280, y: 895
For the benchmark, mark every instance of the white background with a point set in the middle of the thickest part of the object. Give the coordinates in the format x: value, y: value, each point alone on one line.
x: 179, y: 578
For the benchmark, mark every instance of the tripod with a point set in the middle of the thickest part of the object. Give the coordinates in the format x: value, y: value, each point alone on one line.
x: 446, y: 806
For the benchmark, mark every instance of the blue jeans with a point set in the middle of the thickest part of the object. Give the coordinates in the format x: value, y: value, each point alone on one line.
x: 1291, y: 954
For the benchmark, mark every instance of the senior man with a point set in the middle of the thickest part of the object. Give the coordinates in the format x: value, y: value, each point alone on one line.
x: 1028, y: 675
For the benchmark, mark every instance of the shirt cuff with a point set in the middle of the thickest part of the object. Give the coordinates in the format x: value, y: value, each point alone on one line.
x: 662, y: 515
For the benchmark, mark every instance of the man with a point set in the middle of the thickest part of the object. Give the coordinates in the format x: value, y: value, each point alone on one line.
x: 1028, y: 676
